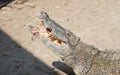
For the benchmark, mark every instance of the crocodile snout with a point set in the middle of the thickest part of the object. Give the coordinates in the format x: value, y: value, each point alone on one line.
x: 42, y: 15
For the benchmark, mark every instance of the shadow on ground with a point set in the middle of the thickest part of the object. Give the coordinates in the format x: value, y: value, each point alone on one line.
x: 16, y: 60
x: 5, y: 2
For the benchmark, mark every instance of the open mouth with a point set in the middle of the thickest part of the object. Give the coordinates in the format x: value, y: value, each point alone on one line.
x: 51, y: 42
x: 47, y: 33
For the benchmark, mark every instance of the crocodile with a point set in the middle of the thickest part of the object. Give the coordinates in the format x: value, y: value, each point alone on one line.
x: 83, y: 58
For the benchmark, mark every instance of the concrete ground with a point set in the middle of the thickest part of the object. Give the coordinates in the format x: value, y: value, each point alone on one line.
x: 96, y: 22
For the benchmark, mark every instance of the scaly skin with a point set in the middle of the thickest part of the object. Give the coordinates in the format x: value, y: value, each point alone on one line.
x: 84, y: 59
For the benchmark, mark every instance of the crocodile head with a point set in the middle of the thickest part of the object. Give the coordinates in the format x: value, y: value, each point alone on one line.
x: 60, y: 46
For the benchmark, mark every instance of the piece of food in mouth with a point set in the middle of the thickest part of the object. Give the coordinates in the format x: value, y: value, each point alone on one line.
x: 51, y: 37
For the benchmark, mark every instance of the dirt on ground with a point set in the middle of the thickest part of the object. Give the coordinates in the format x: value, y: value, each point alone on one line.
x: 96, y: 22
